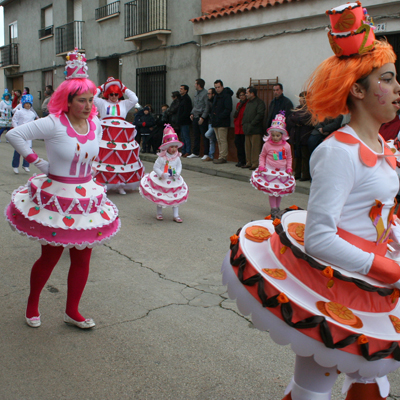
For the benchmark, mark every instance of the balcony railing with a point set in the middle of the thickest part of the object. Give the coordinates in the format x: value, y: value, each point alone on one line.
x: 145, y: 16
x: 68, y: 37
x: 107, y: 11
x: 9, y: 55
x: 48, y: 31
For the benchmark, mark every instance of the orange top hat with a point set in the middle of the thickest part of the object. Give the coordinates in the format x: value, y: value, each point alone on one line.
x: 352, y: 30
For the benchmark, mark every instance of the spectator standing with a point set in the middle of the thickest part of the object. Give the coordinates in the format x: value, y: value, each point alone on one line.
x: 301, y: 128
x: 210, y: 134
x: 48, y: 91
x: 184, y: 121
x: 5, y: 112
x: 199, y: 116
x: 237, y: 121
x: 146, y: 122
x: 221, y: 118
x: 253, y: 129
x: 279, y: 103
x: 390, y: 130
x: 16, y: 98
x: 173, y: 111
x: 322, y: 130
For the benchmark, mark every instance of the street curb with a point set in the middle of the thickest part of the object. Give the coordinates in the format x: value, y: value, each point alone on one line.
x: 221, y: 170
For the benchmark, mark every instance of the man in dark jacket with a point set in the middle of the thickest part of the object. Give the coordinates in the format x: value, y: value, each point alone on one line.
x: 184, y: 110
x: 279, y: 103
x: 252, y: 122
x: 221, y: 118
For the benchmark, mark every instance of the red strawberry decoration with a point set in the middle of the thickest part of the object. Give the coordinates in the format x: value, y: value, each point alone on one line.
x: 281, y: 173
x: 273, y: 172
x: 68, y: 221
x: 105, y: 215
x: 111, y: 145
x: 276, y: 186
x: 110, y: 168
x: 46, y: 183
x: 24, y: 191
x: 115, y: 122
x: 80, y: 190
x: 33, y: 211
x: 159, y: 194
x: 122, y: 168
x: 124, y: 146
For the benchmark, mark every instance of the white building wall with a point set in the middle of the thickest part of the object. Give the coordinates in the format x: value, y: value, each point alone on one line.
x: 286, y: 41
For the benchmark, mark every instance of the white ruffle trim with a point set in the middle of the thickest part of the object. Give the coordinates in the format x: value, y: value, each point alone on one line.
x: 382, y: 382
x: 301, y: 344
x: 273, y: 194
x: 79, y: 246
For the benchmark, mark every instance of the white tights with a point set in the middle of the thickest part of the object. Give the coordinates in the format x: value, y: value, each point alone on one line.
x: 175, y: 210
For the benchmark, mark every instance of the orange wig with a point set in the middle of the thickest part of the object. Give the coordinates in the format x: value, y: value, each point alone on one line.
x: 112, y: 89
x: 329, y: 86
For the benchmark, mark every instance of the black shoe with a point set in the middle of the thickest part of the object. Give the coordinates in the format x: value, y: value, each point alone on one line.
x: 239, y: 164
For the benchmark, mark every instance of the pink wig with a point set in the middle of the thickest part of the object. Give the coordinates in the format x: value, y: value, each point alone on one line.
x: 64, y: 94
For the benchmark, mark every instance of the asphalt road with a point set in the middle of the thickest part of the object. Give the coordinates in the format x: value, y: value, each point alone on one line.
x: 165, y: 326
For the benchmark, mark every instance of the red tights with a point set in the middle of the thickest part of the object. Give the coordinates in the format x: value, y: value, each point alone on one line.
x: 77, y: 278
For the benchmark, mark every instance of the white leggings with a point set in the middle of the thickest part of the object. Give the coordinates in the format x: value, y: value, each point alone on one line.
x: 174, y: 209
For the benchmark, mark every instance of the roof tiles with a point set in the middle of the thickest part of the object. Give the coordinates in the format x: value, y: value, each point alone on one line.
x: 239, y: 7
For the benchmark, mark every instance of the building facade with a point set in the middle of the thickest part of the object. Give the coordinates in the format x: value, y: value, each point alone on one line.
x: 260, y: 42
x: 148, y: 44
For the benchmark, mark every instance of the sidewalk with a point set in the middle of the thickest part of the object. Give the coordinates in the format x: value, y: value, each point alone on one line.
x: 228, y: 170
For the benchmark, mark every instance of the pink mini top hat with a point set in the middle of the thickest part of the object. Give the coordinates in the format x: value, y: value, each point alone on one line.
x: 279, y: 124
x: 76, y: 65
x: 170, y: 138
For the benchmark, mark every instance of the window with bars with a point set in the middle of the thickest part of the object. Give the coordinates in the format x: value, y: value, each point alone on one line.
x: 151, y: 86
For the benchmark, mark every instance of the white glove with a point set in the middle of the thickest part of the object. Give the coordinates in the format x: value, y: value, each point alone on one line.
x: 43, y: 165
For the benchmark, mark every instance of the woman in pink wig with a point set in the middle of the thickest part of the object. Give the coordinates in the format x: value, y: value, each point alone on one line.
x: 63, y: 207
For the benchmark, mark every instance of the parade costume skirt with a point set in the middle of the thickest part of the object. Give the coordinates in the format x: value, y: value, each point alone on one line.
x: 165, y: 192
x: 274, y: 182
x: 340, y: 318
x: 118, y: 164
x: 63, y: 212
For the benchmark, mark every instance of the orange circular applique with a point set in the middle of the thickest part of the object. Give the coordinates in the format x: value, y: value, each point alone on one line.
x: 321, y: 307
x: 396, y: 322
x: 257, y: 233
x: 276, y: 273
x: 358, y: 324
x: 340, y: 313
x: 395, y: 295
x: 296, y: 231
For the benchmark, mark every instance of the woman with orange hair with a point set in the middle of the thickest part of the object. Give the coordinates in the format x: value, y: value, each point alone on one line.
x: 326, y: 281
x: 119, y: 166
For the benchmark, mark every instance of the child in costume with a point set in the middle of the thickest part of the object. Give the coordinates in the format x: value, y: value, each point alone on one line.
x: 63, y: 207
x: 119, y: 166
x: 274, y: 174
x: 326, y: 281
x: 5, y: 112
x: 164, y: 186
x: 22, y: 116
